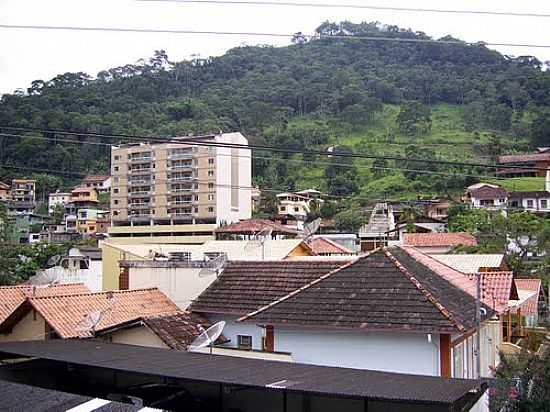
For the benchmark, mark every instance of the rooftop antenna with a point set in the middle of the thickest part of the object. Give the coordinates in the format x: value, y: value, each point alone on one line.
x: 207, y: 337
x: 214, y: 266
x: 310, y: 229
x: 259, y: 239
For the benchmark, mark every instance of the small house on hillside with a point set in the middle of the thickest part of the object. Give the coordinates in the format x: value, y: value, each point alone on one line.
x: 538, y: 161
x: 437, y: 243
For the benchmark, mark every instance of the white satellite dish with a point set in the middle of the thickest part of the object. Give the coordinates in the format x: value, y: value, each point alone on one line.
x: 53, y: 261
x: 207, y: 337
x: 259, y: 239
x: 310, y: 229
x: 90, y: 322
x: 214, y: 266
x: 44, y: 279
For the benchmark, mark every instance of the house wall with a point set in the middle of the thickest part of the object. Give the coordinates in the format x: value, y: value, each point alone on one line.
x: 181, y: 285
x: 385, y: 351
x: 31, y: 327
x: 139, y: 336
x: 111, y: 256
x: 232, y: 329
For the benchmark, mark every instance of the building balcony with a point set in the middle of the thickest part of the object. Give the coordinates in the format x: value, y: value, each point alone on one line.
x: 180, y: 156
x: 141, y: 193
x: 183, y: 178
x: 137, y: 182
x: 139, y: 206
x: 143, y: 171
x: 140, y: 218
x: 181, y: 202
x: 182, y: 167
x: 141, y: 158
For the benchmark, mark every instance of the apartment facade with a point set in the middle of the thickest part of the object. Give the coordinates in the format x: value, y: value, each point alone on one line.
x: 171, y: 189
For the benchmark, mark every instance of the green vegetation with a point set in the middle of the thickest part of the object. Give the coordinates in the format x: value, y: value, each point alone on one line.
x: 520, y: 184
x: 377, y: 98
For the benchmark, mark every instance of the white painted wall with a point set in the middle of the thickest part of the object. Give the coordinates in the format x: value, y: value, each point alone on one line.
x: 181, y: 285
x: 91, y: 277
x: 385, y: 351
x: 233, y: 328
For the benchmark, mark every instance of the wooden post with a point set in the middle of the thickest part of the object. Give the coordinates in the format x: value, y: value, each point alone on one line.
x: 445, y: 355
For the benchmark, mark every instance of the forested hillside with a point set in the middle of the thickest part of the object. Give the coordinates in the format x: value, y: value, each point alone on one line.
x: 423, y: 100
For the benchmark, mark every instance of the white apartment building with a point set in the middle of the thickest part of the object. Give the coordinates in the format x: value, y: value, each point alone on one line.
x: 57, y: 198
x: 298, y: 204
x: 168, y: 190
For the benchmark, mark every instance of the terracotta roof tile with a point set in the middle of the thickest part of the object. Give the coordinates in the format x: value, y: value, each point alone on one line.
x: 325, y: 246
x: 387, y: 289
x: 439, y: 239
x: 532, y: 157
x: 96, y: 178
x: 247, y: 286
x: 531, y: 305
x: 65, y: 314
x: 177, y: 330
x: 11, y: 297
x: 488, y: 192
x: 251, y: 226
x: 497, y: 289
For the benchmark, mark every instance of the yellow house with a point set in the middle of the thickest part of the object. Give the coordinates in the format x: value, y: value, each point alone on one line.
x: 84, y: 194
x: 114, y: 253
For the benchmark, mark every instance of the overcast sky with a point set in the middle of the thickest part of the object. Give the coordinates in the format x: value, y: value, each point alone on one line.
x: 27, y: 55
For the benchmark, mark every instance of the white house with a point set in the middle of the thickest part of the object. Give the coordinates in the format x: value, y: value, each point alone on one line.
x: 57, y: 198
x: 102, y: 183
x: 487, y: 196
x: 394, y: 309
x: 298, y: 204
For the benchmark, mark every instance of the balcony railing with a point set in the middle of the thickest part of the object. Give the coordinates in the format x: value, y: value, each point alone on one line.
x: 139, y: 206
x: 143, y: 193
x: 140, y: 171
x: 181, y: 166
x: 175, y: 156
x: 139, y: 182
x: 182, y: 178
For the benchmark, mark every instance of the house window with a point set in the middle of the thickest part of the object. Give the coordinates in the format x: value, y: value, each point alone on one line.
x: 487, y: 202
x: 115, y: 190
x: 544, y: 204
x: 117, y: 157
x: 283, y: 208
x: 211, y: 161
x: 296, y: 209
x: 116, y: 168
x: 115, y: 202
x: 210, y: 210
x: 211, y: 185
x: 210, y: 173
x: 210, y: 197
x: 529, y: 203
x: 115, y: 212
x: 244, y: 342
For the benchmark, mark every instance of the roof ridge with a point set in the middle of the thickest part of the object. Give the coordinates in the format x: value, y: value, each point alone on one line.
x: 335, y: 244
x: 424, y: 291
x: 304, y: 287
x: 119, y: 292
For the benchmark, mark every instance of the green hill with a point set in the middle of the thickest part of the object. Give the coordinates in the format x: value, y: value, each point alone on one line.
x: 418, y: 100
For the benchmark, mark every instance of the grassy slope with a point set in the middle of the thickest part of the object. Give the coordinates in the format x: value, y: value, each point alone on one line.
x: 520, y: 184
x: 450, y: 140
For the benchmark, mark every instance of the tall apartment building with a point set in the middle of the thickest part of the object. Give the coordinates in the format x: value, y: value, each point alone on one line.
x: 179, y: 192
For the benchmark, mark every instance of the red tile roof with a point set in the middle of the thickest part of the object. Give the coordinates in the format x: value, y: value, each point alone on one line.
x: 251, y: 226
x: 488, y: 192
x: 66, y: 314
x: 386, y: 289
x: 497, y: 289
x: 177, y: 330
x: 532, y: 157
x: 325, y: 246
x: 11, y: 297
x: 531, y: 305
x: 439, y: 239
x: 96, y: 178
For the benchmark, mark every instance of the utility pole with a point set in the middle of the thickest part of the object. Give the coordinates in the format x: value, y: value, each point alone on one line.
x: 478, y: 323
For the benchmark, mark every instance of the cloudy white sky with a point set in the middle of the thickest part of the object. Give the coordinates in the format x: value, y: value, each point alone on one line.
x: 26, y: 55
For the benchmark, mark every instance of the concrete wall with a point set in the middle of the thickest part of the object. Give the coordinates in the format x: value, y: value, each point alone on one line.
x: 31, y: 327
x: 139, y: 336
x: 181, y: 285
x: 111, y: 256
x: 233, y: 328
x: 386, y: 351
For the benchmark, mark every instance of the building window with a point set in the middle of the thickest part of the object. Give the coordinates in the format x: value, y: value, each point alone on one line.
x: 296, y: 209
x: 116, y: 168
x: 115, y: 212
x: 544, y: 204
x: 117, y: 157
x: 115, y: 202
x: 210, y: 197
x: 529, y: 203
x: 283, y: 208
x: 244, y: 342
x: 210, y: 210
x: 196, y: 210
x: 211, y: 161
x: 115, y: 190
x: 211, y: 185
x: 210, y: 173
x: 116, y: 179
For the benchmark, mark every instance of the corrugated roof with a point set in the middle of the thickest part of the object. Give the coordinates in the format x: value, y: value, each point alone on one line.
x: 246, y: 286
x: 471, y: 263
x: 439, y: 239
x: 387, y: 289
x: 11, y: 297
x: 324, y: 246
x: 66, y: 314
x: 254, y: 373
x: 235, y: 249
x: 251, y: 226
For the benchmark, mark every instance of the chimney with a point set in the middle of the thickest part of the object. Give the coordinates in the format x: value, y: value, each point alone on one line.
x: 548, y: 180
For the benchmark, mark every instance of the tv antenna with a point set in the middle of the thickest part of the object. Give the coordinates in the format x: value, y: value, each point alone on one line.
x: 89, y: 323
x: 310, y: 229
x: 214, y: 266
x: 207, y: 337
x: 259, y: 239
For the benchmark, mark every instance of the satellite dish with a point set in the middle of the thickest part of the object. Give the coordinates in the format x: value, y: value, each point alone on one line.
x: 207, y: 337
x: 310, y: 229
x: 259, y: 239
x: 54, y: 260
x: 44, y: 279
x: 90, y: 322
x: 214, y: 266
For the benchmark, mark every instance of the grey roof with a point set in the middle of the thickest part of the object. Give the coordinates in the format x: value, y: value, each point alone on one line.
x: 17, y: 397
x: 254, y: 373
x: 471, y: 263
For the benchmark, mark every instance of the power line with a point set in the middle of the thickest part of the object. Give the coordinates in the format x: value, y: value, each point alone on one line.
x: 352, y: 6
x: 206, y: 142
x: 301, y: 161
x: 260, y: 34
